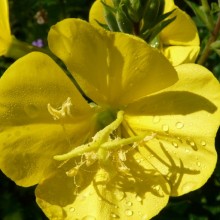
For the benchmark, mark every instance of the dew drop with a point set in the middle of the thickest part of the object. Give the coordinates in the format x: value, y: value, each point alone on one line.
x: 198, y: 164
x: 192, y: 143
x: 144, y: 217
x: 165, y: 128
x: 89, y: 217
x: 156, y: 119
x: 31, y: 111
x: 128, y: 203
x: 179, y: 125
x: 187, y: 150
x: 174, y: 152
x: 150, y: 156
x: 179, y: 139
x: 113, y: 215
x: 187, y: 187
x: 119, y: 195
x: 175, y: 144
x: 128, y: 212
x: 139, y: 199
x: 139, y: 213
x: 72, y: 209
x: 138, y: 161
x: 203, y: 143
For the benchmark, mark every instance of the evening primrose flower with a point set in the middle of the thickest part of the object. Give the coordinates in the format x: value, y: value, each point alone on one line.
x: 179, y: 41
x: 146, y: 134
x: 5, y: 35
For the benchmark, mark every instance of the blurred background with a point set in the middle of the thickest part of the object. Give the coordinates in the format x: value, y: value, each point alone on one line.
x: 30, y: 21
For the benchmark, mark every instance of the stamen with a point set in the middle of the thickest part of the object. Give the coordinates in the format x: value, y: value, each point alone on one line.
x: 61, y: 112
x: 102, y: 144
x: 100, y: 137
x: 122, y: 155
x: 91, y: 158
x: 117, y: 144
x: 73, y: 171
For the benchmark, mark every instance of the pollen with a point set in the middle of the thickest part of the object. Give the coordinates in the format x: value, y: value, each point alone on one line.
x: 104, y: 147
x: 62, y: 111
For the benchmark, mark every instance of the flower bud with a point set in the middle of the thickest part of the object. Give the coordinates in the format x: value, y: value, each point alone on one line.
x: 124, y: 23
x: 153, y: 10
x: 135, y: 9
x: 109, y: 14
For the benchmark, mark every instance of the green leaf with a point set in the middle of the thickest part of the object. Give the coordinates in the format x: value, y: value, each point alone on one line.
x: 201, y: 13
x: 110, y: 18
x: 150, y: 14
x: 124, y: 23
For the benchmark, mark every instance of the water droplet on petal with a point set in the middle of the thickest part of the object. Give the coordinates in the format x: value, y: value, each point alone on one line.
x: 128, y: 203
x: 145, y: 217
x: 128, y: 212
x: 198, y: 164
x: 156, y: 119
x: 72, y: 209
x: 31, y: 111
x: 179, y: 139
x: 89, y: 217
x: 138, y: 161
x: 139, y: 199
x: 192, y: 143
x: 113, y: 215
x: 165, y: 128
x: 174, y: 152
x: 187, y: 187
x: 187, y: 150
x: 179, y: 125
x: 119, y: 195
x: 150, y: 156
x: 203, y: 143
x: 175, y: 144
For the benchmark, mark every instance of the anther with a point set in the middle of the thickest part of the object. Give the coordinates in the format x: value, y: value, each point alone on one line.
x: 62, y: 111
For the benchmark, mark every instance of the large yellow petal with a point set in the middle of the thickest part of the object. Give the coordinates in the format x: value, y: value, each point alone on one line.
x: 185, y: 119
x: 96, y: 195
x: 180, y: 39
x: 182, y: 31
x: 111, y: 68
x: 29, y: 136
x: 5, y: 31
x: 181, y: 54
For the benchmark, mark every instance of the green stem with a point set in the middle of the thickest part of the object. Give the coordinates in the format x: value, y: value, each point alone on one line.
x: 211, y: 39
x: 208, y: 18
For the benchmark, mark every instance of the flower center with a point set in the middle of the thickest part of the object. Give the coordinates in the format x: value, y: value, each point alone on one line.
x: 105, y: 146
x: 102, y: 142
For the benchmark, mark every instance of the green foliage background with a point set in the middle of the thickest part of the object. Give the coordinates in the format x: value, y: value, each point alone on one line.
x: 18, y: 203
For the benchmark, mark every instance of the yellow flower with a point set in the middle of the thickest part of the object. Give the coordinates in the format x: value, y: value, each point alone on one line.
x: 147, y: 133
x: 5, y: 35
x: 179, y: 40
